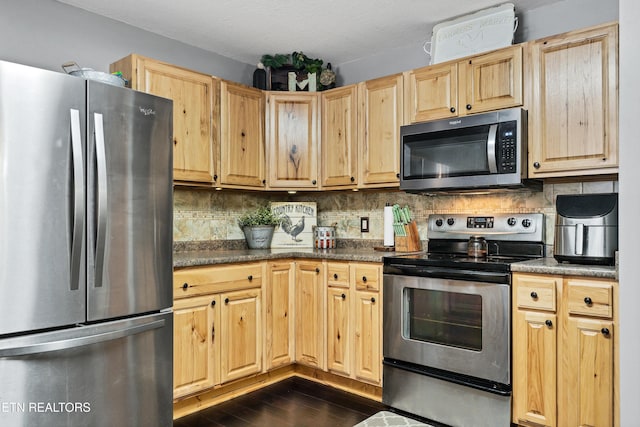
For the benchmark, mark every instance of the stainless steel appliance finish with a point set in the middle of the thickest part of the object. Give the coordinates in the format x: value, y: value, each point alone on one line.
x: 470, y: 153
x: 86, y: 256
x: 447, y: 329
x: 586, y: 230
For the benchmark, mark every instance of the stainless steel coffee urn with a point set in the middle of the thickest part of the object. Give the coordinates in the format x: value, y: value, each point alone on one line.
x: 586, y: 229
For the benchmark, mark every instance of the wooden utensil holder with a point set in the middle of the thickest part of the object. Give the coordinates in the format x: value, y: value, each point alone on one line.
x: 410, y: 242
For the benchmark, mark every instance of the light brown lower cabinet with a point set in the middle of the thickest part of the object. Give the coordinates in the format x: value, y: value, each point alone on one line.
x: 564, y: 351
x: 279, y: 309
x: 354, y: 307
x: 310, y: 313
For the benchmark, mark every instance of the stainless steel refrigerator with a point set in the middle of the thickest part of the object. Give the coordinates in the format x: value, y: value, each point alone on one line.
x: 86, y: 323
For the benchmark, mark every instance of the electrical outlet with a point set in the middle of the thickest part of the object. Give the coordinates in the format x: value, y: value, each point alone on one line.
x: 364, y: 224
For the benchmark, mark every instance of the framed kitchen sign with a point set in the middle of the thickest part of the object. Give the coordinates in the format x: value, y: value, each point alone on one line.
x: 296, y: 228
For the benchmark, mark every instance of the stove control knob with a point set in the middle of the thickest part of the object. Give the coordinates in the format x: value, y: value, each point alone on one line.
x: 450, y: 221
x: 512, y: 221
x: 526, y: 223
x: 439, y: 222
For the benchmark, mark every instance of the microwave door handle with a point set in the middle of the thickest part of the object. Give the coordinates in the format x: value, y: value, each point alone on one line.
x: 579, y: 238
x: 491, y: 148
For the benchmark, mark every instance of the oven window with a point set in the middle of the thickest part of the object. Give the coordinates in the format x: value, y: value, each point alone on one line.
x: 446, y: 318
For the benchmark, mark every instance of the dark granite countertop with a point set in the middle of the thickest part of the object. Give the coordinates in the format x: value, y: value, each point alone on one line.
x: 221, y: 256
x: 550, y: 266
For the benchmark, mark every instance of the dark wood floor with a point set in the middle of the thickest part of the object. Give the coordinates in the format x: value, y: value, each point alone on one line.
x: 294, y: 402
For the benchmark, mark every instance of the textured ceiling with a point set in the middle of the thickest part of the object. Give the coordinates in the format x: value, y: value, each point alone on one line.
x: 337, y: 31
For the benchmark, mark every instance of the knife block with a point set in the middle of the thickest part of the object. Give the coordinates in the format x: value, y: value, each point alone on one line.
x: 410, y: 242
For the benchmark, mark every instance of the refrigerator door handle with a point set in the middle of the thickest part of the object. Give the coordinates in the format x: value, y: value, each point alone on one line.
x: 78, y: 198
x: 101, y: 228
x: 65, y: 344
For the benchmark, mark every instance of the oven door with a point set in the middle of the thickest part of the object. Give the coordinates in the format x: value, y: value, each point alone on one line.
x: 452, y: 325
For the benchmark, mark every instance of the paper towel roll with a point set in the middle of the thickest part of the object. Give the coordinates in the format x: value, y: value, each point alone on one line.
x: 388, y: 226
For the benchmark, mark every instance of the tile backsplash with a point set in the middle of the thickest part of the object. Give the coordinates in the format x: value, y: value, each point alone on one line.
x: 201, y: 216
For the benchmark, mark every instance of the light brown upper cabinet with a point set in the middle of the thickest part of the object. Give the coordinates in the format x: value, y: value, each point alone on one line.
x: 192, y: 94
x: 339, y: 137
x: 242, y: 130
x: 573, y: 116
x: 380, y: 117
x: 475, y: 84
x: 292, y: 141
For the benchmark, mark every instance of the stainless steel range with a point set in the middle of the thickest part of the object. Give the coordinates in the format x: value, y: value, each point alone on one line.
x: 447, y: 318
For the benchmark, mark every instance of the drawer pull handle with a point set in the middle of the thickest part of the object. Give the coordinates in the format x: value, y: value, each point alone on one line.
x: 373, y: 300
x: 548, y: 322
x: 343, y: 296
x: 185, y: 286
x: 250, y: 277
x: 317, y: 270
x: 364, y: 278
x: 335, y: 276
x: 605, y: 331
x: 226, y: 300
x: 213, y: 303
x: 534, y: 295
x: 588, y: 301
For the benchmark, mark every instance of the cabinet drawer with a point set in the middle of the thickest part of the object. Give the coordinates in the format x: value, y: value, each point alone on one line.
x: 590, y: 298
x: 219, y: 278
x: 367, y: 277
x: 338, y: 274
x: 535, y: 292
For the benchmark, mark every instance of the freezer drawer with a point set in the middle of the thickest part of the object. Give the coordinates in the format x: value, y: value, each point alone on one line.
x: 114, y: 374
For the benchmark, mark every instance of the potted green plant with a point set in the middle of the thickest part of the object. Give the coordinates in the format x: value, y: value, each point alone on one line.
x: 258, y: 226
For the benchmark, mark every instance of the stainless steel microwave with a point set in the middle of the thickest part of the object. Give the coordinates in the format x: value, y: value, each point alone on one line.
x: 476, y: 152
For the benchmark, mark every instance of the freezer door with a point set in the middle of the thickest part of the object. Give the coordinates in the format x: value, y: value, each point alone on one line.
x: 130, y: 202
x: 113, y: 374
x: 42, y: 214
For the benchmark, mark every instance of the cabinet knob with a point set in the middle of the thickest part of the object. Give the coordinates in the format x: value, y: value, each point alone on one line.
x: 313, y: 182
x: 335, y: 276
x: 468, y: 106
x: 548, y: 322
x: 226, y: 300
x: 536, y: 165
x: 343, y: 296
x: 373, y: 300
x: 534, y: 295
x: 352, y: 179
x: 364, y: 278
x: 317, y: 270
x: 264, y: 181
x: 397, y: 175
x: 250, y: 277
x: 185, y: 286
x: 452, y: 109
x: 213, y: 303
x: 605, y: 331
x: 588, y: 301
x: 215, y: 177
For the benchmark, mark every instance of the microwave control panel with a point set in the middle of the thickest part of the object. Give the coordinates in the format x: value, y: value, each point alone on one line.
x: 507, y: 148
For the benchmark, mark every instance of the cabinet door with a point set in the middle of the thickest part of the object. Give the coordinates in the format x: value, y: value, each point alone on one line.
x: 279, y: 309
x: 309, y: 314
x: 491, y: 81
x: 242, y: 147
x: 195, y: 348
x: 573, y: 116
x: 293, y: 140
x: 339, y: 137
x: 381, y: 115
x: 431, y: 92
x: 588, y: 376
x: 534, y: 368
x: 367, y: 336
x: 338, y: 330
x: 240, y: 335
x: 192, y: 93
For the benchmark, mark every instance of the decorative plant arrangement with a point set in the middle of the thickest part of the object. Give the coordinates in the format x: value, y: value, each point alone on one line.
x: 258, y: 226
x: 306, y: 70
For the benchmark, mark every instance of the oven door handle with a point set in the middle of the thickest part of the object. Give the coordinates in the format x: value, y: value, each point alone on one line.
x: 446, y: 273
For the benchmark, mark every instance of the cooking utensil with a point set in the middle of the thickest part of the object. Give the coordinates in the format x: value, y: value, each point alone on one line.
x: 89, y: 73
x: 477, y: 247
